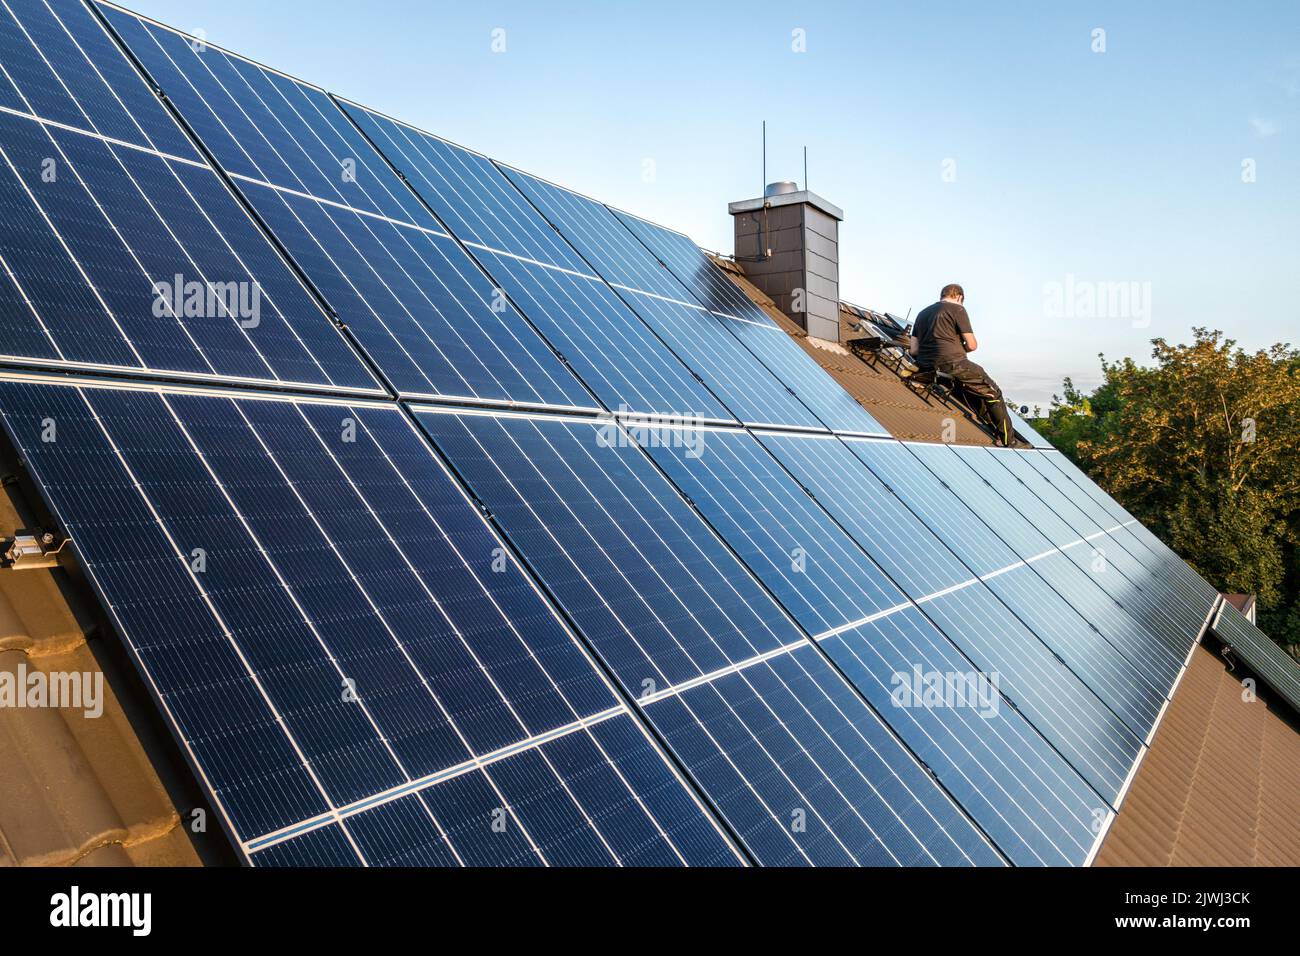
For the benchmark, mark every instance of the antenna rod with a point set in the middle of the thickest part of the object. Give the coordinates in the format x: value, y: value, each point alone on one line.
x: 805, y: 168
x: 763, y: 189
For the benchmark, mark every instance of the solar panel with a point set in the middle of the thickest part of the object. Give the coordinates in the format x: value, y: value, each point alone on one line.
x: 328, y: 622
x: 1136, y: 528
x: 124, y: 257
x: 700, y: 338
x: 1151, y: 658
x: 1111, y: 542
x: 1275, y: 666
x: 794, y: 761
x: 685, y: 260
x: 431, y: 320
x: 1044, y: 513
x: 1056, y: 701
x: 1035, y: 807
x: 1080, y: 645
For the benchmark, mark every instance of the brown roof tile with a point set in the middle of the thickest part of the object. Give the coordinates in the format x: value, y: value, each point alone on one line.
x: 1220, y: 785
x: 77, y: 789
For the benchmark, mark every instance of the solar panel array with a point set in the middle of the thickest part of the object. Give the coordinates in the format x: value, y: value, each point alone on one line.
x: 454, y: 517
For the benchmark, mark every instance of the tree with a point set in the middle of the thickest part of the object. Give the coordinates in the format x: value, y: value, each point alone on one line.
x: 1203, y: 446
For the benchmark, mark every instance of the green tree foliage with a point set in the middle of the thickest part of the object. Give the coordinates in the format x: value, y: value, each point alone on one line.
x: 1204, y: 447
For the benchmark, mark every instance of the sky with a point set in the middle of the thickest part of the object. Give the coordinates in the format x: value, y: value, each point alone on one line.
x: 1094, y: 174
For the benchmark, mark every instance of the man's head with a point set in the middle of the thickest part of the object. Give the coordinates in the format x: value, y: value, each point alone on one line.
x: 952, y: 292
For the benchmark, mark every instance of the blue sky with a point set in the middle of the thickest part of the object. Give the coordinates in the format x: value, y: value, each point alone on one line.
x: 1088, y: 200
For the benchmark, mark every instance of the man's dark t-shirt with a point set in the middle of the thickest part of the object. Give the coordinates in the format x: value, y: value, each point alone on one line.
x: 938, y: 329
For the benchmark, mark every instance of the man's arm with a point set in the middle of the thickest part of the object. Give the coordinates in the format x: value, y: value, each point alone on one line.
x: 913, y: 345
x: 968, y: 341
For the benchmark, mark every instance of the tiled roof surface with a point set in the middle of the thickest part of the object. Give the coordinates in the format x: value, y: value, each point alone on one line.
x: 1220, y: 785
x: 78, y: 790
x: 876, y: 387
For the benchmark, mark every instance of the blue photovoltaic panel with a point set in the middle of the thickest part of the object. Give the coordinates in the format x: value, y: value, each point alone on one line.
x: 685, y: 630
x: 1144, y: 546
x: 1149, y: 610
x: 60, y: 65
x: 1162, y: 551
x: 815, y: 570
x: 693, y: 269
x: 809, y: 382
x: 467, y: 191
x: 1149, y: 655
x: 696, y: 335
x: 611, y: 350
x: 1275, y: 666
x: 1033, y: 805
x: 266, y: 126
x: 604, y: 243
x: 1038, y: 810
x: 130, y: 260
x: 425, y: 313
x: 325, y: 616
x: 1107, y: 672
x: 1055, y: 700
x: 1109, y: 542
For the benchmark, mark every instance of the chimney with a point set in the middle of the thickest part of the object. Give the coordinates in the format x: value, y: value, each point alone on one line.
x: 788, y: 242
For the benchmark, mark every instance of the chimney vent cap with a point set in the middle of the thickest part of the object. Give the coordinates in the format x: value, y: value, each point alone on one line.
x: 781, y: 188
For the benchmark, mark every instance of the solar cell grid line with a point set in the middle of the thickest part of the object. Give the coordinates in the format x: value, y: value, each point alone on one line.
x: 159, y: 475
x: 264, y: 125
x: 413, y: 299
x: 661, y: 602
x: 1078, y: 645
x: 681, y: 256
x: 1150, y: 657
x: 466, y: 191
x: 1159, y: 550
x: 1152, y: 613
x: 1274, y: 665
x: 695, y: 335
x: 1057, y: 702
x: 1108, y: 543
x: 59, y: 64
x: 759, y: 511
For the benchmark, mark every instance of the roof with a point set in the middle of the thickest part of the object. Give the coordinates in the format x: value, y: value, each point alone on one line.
x: 1220, y: 785
x: 876, y: 387
x: 81, y: 790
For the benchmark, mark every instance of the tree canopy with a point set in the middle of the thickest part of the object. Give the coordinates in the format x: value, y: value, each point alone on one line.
x: 1203, y: 446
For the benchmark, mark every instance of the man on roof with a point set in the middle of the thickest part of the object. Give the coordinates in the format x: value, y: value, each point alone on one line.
x: 940, y: 341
